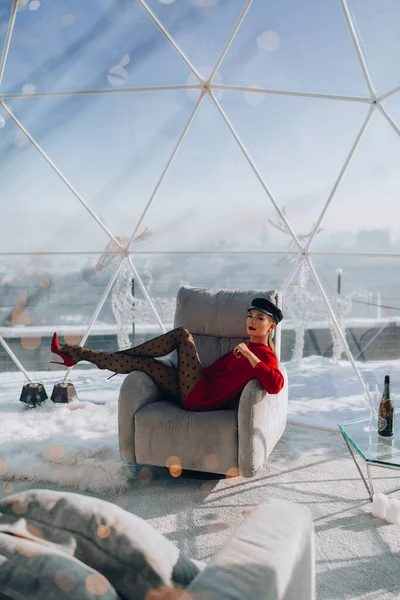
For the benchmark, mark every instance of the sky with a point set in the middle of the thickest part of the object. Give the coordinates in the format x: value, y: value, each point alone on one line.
x: 113, y: 148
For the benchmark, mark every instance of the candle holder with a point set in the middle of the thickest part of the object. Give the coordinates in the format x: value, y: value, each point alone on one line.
x: 63, y: 392
x: 33, y: 393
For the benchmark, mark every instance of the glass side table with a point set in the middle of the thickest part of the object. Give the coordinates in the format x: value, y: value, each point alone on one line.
x: 376, y: 451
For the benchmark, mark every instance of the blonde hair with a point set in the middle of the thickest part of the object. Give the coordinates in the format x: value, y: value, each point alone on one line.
x: 270, y: 339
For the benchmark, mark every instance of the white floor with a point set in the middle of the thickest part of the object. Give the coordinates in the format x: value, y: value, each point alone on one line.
x: 321, y: 393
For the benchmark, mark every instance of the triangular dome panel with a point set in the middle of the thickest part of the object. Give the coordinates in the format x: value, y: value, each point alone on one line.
x: 392, y: 107
x: 114, y: 45
x: 378, y: 28
x: 5, y: 16
x: 295, y: 46
x: 200, y: 28
x: 42, y: 294
x: 43, y: 215
x: 298, y: 144
x: 112, y: 148
x: 363, y: 214
x: 210, y: 198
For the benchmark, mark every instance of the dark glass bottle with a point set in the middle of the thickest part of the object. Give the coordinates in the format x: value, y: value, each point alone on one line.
x: 386, y: 411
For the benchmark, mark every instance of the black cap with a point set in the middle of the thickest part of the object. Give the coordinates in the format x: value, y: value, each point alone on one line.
x: 267, y: 307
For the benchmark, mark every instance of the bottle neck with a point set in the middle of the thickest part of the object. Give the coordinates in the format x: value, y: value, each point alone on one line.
x: 386, y: 391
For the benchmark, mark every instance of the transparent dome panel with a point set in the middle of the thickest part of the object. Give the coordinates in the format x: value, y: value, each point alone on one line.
x: 378, y: 29
x: 200, y: 28
x: 164, y: 273
x: 5, y: 17
x: 210, y: 198
x: 127, y: 318
x: 302, y: 47
x: 324, y: 386
x: 112, y: 148
x: 43, y: 214
x: 42, y: 294
x: 363, y: 213
x: 392, y: 107
x: 366, y: 297
x: 96, y: 45
x: 299, y: 146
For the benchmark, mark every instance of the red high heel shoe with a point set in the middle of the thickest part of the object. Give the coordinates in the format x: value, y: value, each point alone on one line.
x: 67, y: 361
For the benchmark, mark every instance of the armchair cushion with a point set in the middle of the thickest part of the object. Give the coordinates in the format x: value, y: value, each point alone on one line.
x: 204, y: 441
x: 128, y: 551
x: 220, y: 313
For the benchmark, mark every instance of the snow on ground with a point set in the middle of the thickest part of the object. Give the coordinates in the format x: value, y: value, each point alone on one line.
x: 321, y: 393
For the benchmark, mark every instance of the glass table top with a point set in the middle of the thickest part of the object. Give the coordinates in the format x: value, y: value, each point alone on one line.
x: 362, y: 434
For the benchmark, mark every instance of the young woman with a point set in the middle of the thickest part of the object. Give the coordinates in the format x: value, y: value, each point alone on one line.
x: 198, y: 388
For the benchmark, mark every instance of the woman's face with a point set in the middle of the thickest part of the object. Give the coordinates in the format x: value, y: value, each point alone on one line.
x: 258, y: 323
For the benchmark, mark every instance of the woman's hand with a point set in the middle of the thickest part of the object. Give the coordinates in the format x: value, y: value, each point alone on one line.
x: 241, y: 349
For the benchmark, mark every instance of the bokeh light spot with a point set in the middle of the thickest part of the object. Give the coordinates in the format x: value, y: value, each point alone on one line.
x: 97, y: 584
x: 8, y: 487
x: 68, y: 20
x: 170, y: 593
x: 20, y: 316
x: 119, y: 525
x: 31, y: 343
x: 19, y: 507
x: 44, y: 282
x: 74, y: 339
x: 56, y: 452
x: 175, y: 470
x: 103, y: 531
x: 28, y: 88
x: 34, y: 5
x: 65, y: 581
x: 35, y: 531
x: 20, y: 302
x: 27, y: 549
x: 233, y: 472
x: 211, y: 461
x: 20, y: 140
x: 254, y: 98
x: 269, y: 41
x: 3, y: 467
x: 172, y: 460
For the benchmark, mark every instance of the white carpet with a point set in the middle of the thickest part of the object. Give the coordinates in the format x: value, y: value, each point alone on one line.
x: 72, y: 444
x: 357, y: 554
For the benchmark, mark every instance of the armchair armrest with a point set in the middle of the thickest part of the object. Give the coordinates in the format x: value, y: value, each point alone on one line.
x: 137, y: 390
x: 261, y: 421
x: 269, y: 557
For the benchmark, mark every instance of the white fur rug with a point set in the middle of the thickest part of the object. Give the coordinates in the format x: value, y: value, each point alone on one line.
x: 71, y: 445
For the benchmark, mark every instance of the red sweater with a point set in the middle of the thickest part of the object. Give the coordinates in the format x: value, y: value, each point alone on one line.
x: 228, y: 375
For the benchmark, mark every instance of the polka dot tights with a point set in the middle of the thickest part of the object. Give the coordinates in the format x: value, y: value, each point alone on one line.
x: 176, y: 382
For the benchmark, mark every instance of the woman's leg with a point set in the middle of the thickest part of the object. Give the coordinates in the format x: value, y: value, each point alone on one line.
x: 177, y: 382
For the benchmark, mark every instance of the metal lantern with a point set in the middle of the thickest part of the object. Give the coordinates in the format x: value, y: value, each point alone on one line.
x: 33, y: 393
x: 63, y: 392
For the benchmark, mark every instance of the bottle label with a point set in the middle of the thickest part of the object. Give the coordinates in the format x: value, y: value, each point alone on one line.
x: 381, y: 424
x: 385, y: 426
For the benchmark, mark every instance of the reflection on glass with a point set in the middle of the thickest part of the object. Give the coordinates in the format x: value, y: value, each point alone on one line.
x: 69, y: 47
x: 360, y: 216
x: 306, y: 48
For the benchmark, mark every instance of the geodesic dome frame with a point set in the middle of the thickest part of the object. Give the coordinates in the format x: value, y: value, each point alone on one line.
x: 209, y: 86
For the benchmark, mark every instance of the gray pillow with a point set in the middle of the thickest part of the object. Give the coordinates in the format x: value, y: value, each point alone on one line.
x: 218, y: 312
x: 32, y: 570
x: 128, y: 551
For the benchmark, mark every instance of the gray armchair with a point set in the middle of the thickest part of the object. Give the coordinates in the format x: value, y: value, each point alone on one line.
x: 153, y: 428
